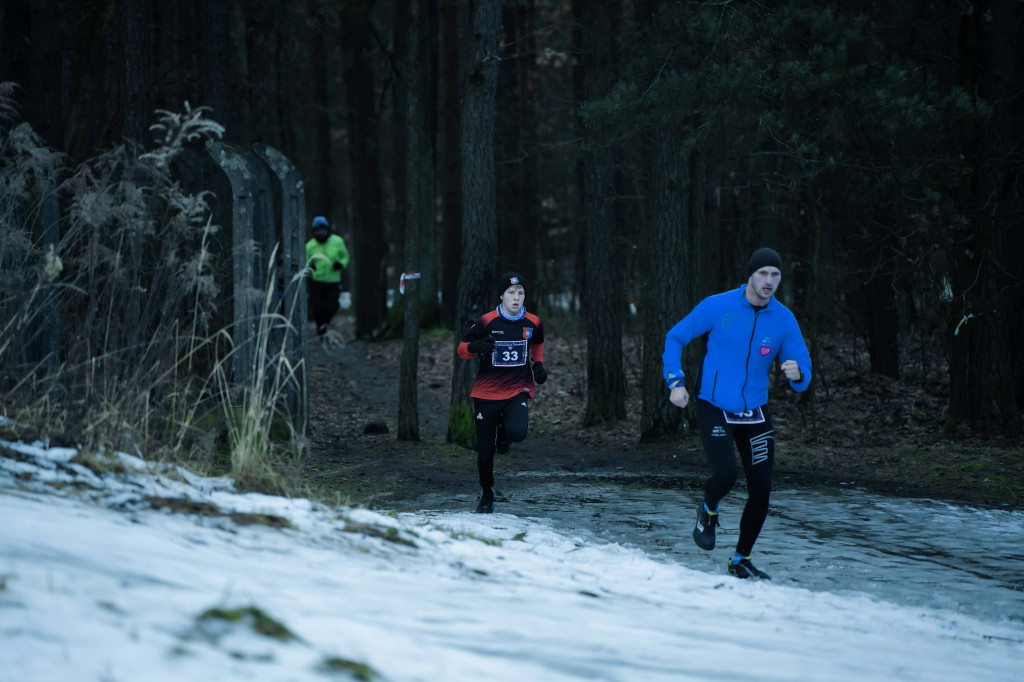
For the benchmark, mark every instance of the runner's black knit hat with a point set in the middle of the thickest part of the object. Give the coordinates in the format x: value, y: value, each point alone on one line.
x: 761, y: 258
x: 507, y: 280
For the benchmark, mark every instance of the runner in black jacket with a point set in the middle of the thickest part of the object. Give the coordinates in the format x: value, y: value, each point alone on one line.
x: 510, y: 344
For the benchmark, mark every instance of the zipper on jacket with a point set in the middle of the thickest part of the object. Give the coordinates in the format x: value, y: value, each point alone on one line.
x: 746, y: 365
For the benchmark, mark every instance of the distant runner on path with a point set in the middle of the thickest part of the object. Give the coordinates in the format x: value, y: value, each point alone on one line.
x: 747, y: 329
x: 510, y: 344
x: 326, y: 257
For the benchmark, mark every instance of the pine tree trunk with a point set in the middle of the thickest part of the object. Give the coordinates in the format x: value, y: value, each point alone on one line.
x: 45, y: 87
x: 408, y: 410
x: 603, y: 304
x: 665, y: 250
x: 451, y: 175
x: 320, y: 196
x: 479, y: 240
x: 985, y: 356
x: 369, y: 248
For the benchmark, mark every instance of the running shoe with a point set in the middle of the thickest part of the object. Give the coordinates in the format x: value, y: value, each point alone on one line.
x: 486, y: 504
x: 704, y: 529
x: 745, y: 569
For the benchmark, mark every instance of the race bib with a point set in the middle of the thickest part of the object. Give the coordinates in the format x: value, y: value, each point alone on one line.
x: 754, y: 416
x: 509, y: 353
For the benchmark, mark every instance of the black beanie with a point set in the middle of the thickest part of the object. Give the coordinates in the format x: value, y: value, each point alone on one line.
x: 762, y: 258
x: 507, y: 280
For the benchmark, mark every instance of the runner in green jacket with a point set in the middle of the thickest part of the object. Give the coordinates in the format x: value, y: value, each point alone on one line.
x: 326, y: 258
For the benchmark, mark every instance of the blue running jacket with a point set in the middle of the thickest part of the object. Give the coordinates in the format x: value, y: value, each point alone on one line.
x: 743, y: 341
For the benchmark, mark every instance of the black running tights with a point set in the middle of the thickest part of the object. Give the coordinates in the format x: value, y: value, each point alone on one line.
x: 514, y: 413
x: 756, y: 445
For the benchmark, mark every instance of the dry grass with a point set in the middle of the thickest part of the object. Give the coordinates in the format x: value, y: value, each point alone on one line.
x: 113, y: 336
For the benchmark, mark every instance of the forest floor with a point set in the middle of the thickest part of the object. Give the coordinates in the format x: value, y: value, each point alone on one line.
x: 859, y: 430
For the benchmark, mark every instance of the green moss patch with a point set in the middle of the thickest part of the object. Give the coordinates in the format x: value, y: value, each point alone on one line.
x: 382, y: 532
x: 250, y: 616
x: 341, y: 666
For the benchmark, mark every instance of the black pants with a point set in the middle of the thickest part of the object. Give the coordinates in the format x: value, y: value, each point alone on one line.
x: 513, y: 413
x: 756, y: 445
x: 323, y: 301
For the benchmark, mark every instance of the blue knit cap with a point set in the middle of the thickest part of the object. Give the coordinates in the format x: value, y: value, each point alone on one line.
x: 320, y: 221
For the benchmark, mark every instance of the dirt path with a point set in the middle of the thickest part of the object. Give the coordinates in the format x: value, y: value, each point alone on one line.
x: 354, y: 457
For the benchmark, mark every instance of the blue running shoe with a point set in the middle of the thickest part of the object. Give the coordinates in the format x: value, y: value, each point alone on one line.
x: 744, y: 569
x: 704, y: 529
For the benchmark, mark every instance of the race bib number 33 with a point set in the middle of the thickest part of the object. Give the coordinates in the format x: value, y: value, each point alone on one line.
x: 509, y: 353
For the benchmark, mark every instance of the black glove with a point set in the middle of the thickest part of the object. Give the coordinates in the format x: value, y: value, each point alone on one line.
x: 337, y: 265
x: 482, y: 346
x: 540, y: 375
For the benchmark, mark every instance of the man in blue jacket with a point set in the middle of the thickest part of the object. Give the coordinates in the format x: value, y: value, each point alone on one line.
x: 747, y: 329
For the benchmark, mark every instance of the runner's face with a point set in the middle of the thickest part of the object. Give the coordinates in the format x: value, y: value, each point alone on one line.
x: 765, y: 282
x: 512, y: 299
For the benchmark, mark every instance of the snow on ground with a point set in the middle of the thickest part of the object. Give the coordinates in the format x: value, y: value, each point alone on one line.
x: 151, y: 573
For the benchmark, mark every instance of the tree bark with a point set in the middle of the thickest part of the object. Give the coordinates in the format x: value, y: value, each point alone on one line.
x: 320, y: 197
x: 451, y: 176
x: 369, y: 246
x: 603, y: 304
x: 479, y: 242
x: 408, y: 411
x: 667, y: 203
x: 877, y: 299
x: 517, y: 193
x: 46, y: 88
x: 224, y: 67
x: 427, y: 92
x: 135, y: 24
x: 985, y: 357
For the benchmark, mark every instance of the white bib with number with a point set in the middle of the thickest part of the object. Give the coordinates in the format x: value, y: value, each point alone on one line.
x: 754, y: 416
x: 509, y: 353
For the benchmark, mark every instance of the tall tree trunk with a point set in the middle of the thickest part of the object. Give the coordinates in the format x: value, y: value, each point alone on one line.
x: 135, y: 24
x: 223, y: 65
x: 88, y: 123
x: 451, y: 175
x: 369, y: 247
x: 427, y: 92
x: 267, y: 23
x: 319, y: 197
x: 400, y: 93
x: 408, y: 18
x: 603, y: 304
x: 479, y: 237
x: 15, y: 50
x: 665, y: 240
x: 877, y: 299
x: 517, y: 170
x: 984, y: 357
x: 46, y: 87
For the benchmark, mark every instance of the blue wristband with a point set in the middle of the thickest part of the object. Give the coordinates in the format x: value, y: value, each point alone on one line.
x: 673, y: 380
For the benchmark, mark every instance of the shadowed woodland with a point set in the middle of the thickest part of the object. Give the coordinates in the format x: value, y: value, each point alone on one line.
x: 625, y: 157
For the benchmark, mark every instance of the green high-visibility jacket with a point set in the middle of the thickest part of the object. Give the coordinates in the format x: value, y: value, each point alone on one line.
x: 321, y: 257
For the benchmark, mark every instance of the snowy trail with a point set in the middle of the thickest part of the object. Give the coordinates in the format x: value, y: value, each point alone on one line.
x: 98, y: 586
x: 909, y: 551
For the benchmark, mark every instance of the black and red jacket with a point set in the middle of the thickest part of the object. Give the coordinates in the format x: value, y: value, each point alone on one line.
x: 507, y: 371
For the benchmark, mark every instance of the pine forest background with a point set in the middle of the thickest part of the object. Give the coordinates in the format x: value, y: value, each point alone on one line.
x: 625, y: 157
